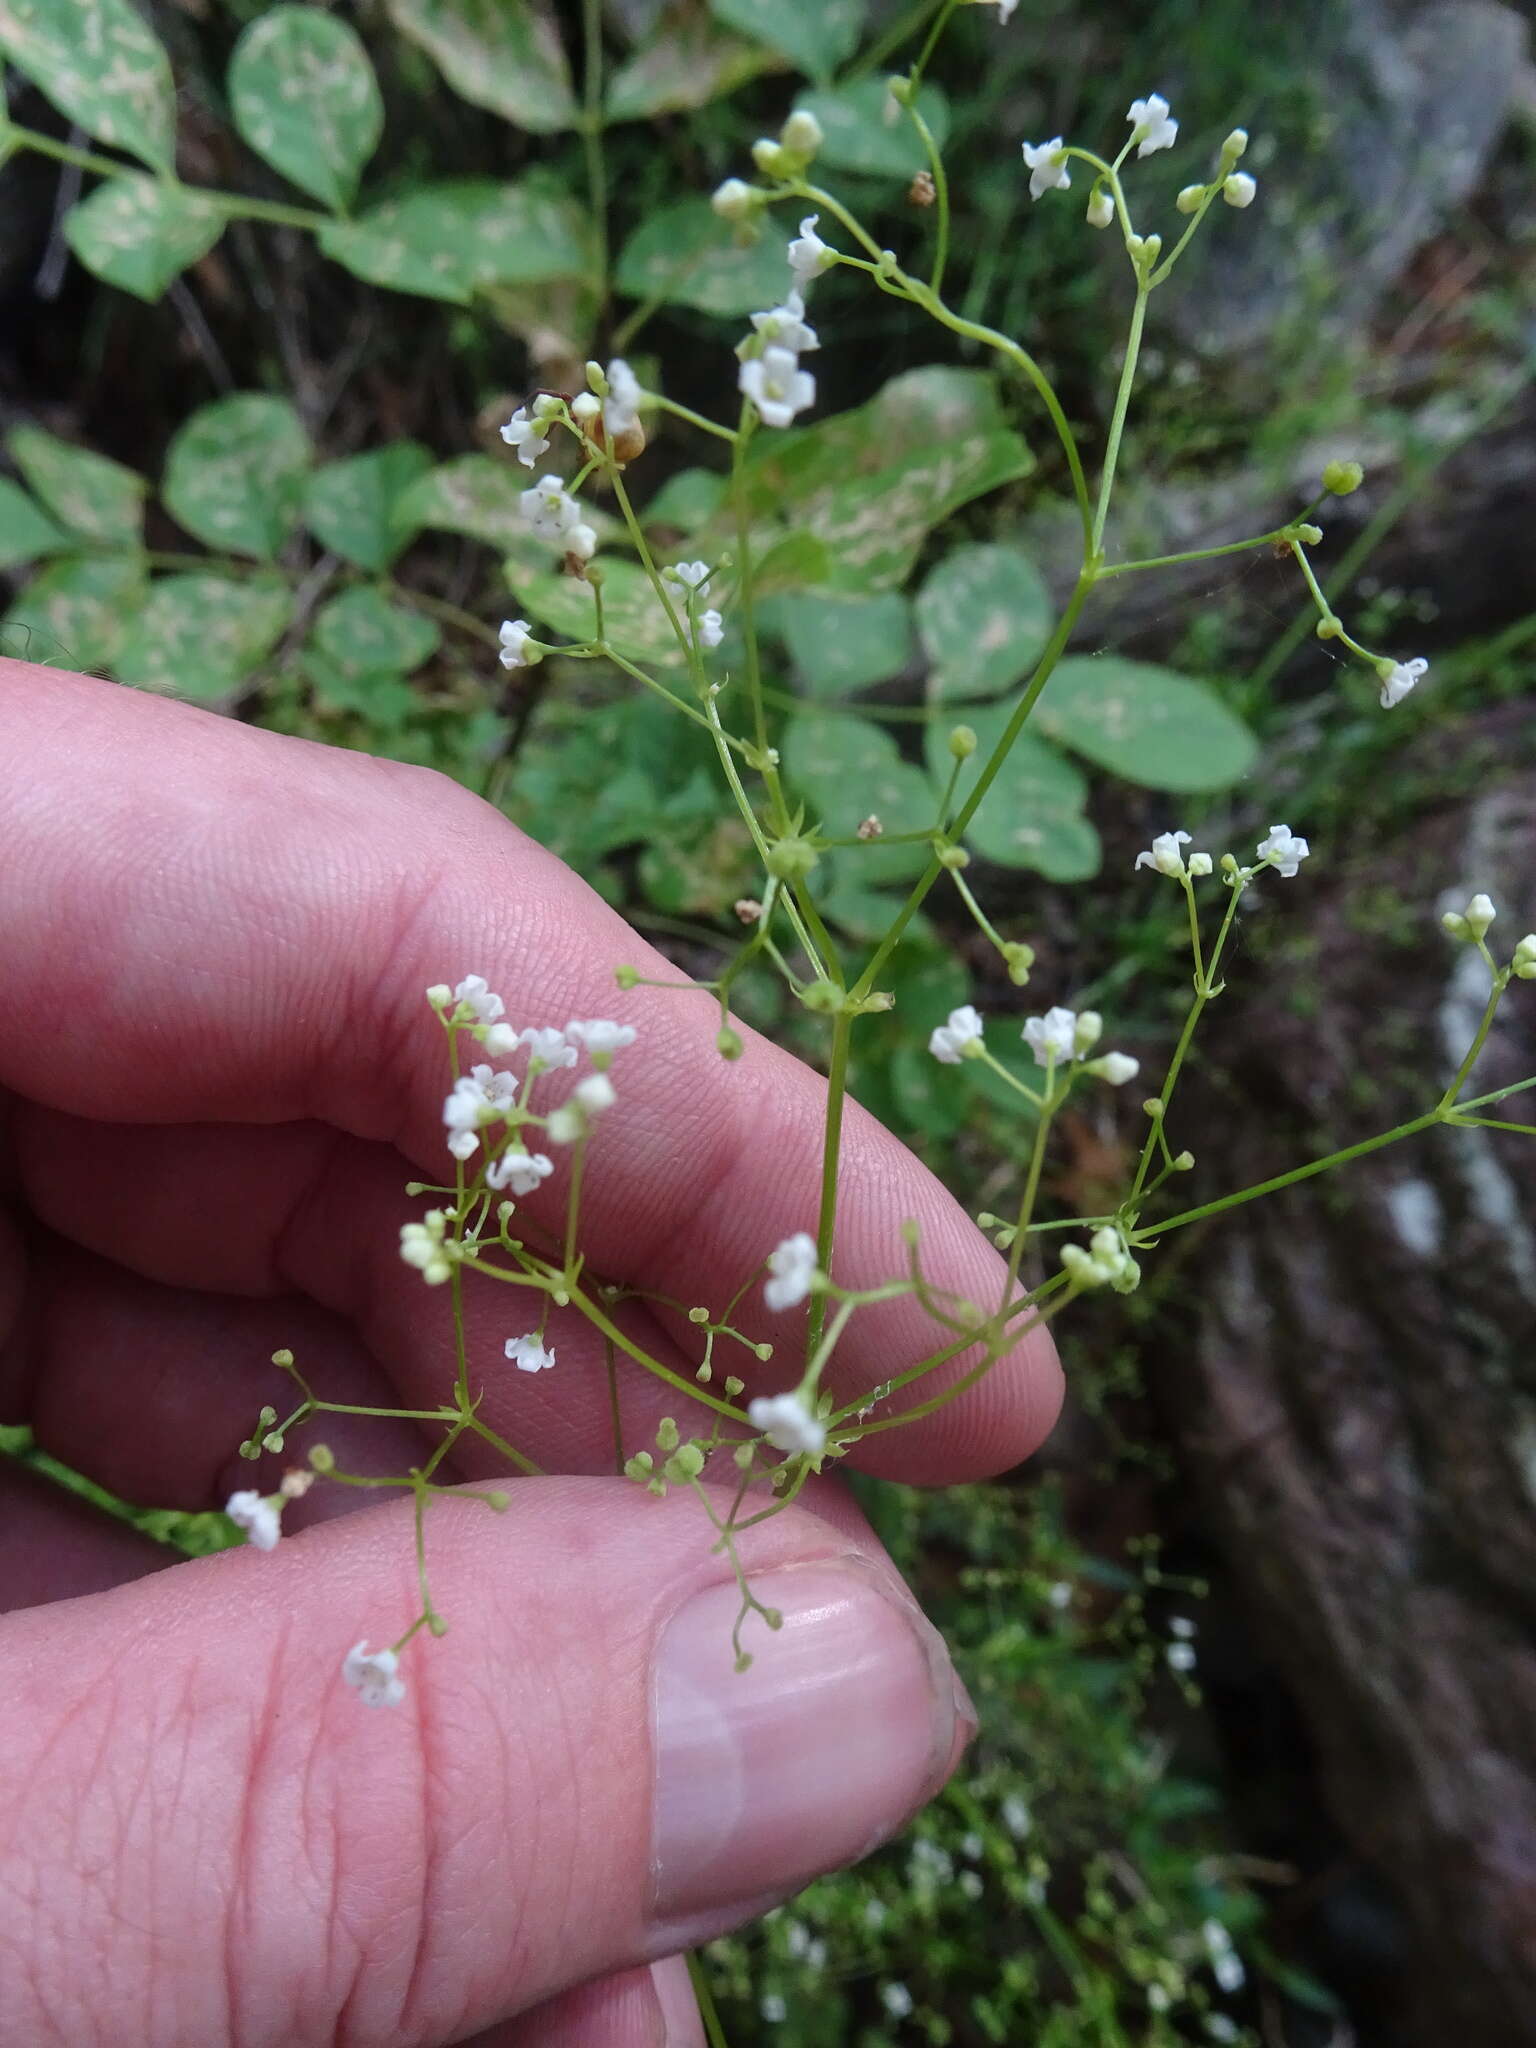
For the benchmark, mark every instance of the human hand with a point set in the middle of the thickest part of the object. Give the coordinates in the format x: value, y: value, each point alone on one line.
x: 216, y: 1073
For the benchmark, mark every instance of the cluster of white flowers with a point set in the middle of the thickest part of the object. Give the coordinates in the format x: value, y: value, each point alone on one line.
x: 1060, y: 1035
x: 1104, y: 1263
x: 1226, y: 1963
x: 705, y: 629
x: 792, y: 1268
x: 372, y: 1675
x: 1153, y: 127
x: 1164, y: 855
x: 770, y: 373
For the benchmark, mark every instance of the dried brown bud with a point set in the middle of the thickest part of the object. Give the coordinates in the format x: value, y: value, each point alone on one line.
x: 748, y: 909
x: 921, y: 192
x: 871, y: 827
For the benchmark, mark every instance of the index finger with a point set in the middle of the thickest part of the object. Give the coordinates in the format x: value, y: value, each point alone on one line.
x: 208, y: 922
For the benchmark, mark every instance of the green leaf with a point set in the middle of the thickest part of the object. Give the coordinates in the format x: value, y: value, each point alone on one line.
x: 1145, y: 723
x: 1032, y: 815
x: 362, y: 633
x: 985, y: 616
x: 634, y: 621
x: 473, y: 494
x: 101, y: 65
x: 442, y: 241
x: 685, y: 255
x: 501, y: 54
x: 234, y: 473
x: 848, y: 769
x: 140, y: 233
x: 92, y: 495
x: 73, y: 613
x: 686, y: 500
x: 844, y: 643
x: 304, y: 96
x: 815, y: 35
x: 199, y: 636
x: 356, y: 506
x: 861, y: 136
x: 689, y: 61
x: 381, y: 696
x: 26, y: 531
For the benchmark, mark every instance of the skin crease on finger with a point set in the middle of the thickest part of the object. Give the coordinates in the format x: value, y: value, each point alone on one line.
x: 159, y: 927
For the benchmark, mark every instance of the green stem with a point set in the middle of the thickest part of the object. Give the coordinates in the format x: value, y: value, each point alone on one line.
x: 826, y: 1221
x: 940, y: 183
x: 1232, y: 547
x: 704, y: 1999
x: 1117, y: 421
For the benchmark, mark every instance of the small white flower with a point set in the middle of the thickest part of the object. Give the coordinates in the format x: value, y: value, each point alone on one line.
x: 1239, y: 189
x: 1181, y: 1626
x: 777, y: 386
x: 424, y: 1245
x: 1226, y: 1964
x: 1181, y: 1656
x: 1220, y: 2028
x: 1159, y: 1998
x: 474, y: 991
x: 463, y: 1144
x: 478, y: 1098
x: 1053, y: 1036
x: 1005, y: 11
x: 372, y: 1675
x: 691, y: 575
x: 1017, y: 1818
x: 548, y: 1044
x: 1283, y: 851
x: 787, y: 1422
x: 621, y: 408
x: 1047, y: 166
x: 1152, y: 125
x: 709, y: 630
x: 809, y: 255
x: 595, y: 1094
x: 792, y: 1265
x: 259, y: 1517
x: 1164, y: 855
x: 499, y: 1040
x: 897, y: 2000
x: 515, y: 635
x: 600, y: 1034
x: 950, y: 1042
x: 1398, y: 679
x: 521, y: 1172
x: 784, y: 326
x: 1101, y: 208
x: 1060, y: 1595
x: 1114, y: 1067
x: 526, y: 436
x: 548, y: 509
x: 581, y: 541
x: 875, y: 1912
x: 528, y: 1353
x: 1104, y: 1263
x: 771, y: 2005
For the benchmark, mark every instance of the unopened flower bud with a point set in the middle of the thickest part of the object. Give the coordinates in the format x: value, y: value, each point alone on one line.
x: 1309, y: 535
x: 282, y: 1359
x: 824, y: 997
x: 322, y: 1458
x: 1234, y: 146
x: 1199, y: 864
x: 1453, y: 922
x: 626, y: 977
x: 954, y: 858
x: 728, y: 1043
x: 963, y: 742
x: 1342, y: 477
x: 1239, y: 190
x: 788, y: 859
x: 1101, y: 208
x: 1189, y: 199
x: 1329, y: 628
x: 1018, y: 958
x: 439, y: 995
x: 802, y: 134
x: 772, y: 158
x: 1086, y: 1031
x: 734, y: 200
x: 1524, y: 963
x: 899, y: 86
x: 1480, y: 914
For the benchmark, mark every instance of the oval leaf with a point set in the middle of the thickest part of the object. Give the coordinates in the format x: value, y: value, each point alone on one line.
x: 501, y: 54
x: 477, y: 495
x: 860, y: 134
x: 200, y: 636
x: 684, y: 254
x: 354, y: 507
x: 26, y: 531
x: 635, y: 623
x: 815, y: 35
x: 92, y: 495
x: 304, y: 97
x: 442, y: 241
x: 1032, y: 814
x: 74, y: 613
x: 1145, y: 723
x: 234, y: 472
x: 362, y: 633
x: 985, y: 616
x: 844, y: 643
x: 100, y: 64
x: 141, y: 233
x: 688, y: 62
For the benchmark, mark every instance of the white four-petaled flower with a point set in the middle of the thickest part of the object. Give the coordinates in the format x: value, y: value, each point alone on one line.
x: 1398, y: 679
x: 709, y: 631
x: 808, y: 254
x: 519, y: 1171
x: 548, y: 1043
x: 1053, y: 1036
x: 787, y: 1422
x: 621, y: 408
x: 777, y: 386
x: 1164, y: 855
x: 526, y: 436
x: 372, y: 1675
x: 1048, y: 169
x: 528, y: 1353
x: 692, y: 575
x: 600, y: 1034
x: 552, y: 513
x: 515, y: 635
x: 949, y: 1042
x: 792, y: 1266
x: 1153, y: 127
x: 1282, y: 850
x: 258, y: 1516
x: 785, y: 326
x: 475, y: 991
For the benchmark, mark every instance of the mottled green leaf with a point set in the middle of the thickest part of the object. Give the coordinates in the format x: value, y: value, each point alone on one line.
x: 844, y: 643
x: 26, y: 531
x: 501, y: 54
x: 363, y: 633
x: 304, y: 97
x: 442, y: 241
x: 382, y: 696
x: 141, y: 233
x: 74, y: 613
x: 101, y: 65
x: 686, y: 255
x: 355, y: 507
x: 985, y: 616
x: 1145, y: 723
x: 815, y: 35
x: 686, y: 500
x: 1032, y: 815
x: 90, y: 494
x: 199, y: 636
x: 234, y: 473
x: 635, y: 622
x: 482, y: 497
x: 689, y: 61
x: 861, y: 135
x: 849, y: 769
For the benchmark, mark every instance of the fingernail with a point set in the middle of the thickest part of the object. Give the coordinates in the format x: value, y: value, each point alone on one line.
x: 847, y: 1720
x: 681, y: 2025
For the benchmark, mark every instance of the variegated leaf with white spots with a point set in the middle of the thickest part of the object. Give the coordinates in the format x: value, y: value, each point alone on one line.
x: 199, y: 636
x: 93, y: 496
x: 502, y: 54
x: 304, y: 97
x: 141, y: 233
x: 234, y: 473
x: 101, y: 65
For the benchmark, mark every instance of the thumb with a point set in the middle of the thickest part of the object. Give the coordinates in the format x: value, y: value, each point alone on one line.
x: 207, y: 1837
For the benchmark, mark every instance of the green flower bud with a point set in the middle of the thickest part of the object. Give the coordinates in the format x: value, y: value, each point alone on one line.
x: 963, y: 742
x: 1189, y: 199
x: 499, y: 1501
x: 321, y: 1458
x: 687, y: 1462
x: 825, y: 998
x: 1234, y: 147
x: 728, y: 1043
x: 954, y: 857
x: 789, y: 859
x: 1309, y: 535
x: 626, y: 977
x: 1329, y: 628
x: 773, y: 159
x: 1018, y: 958
x: 639, y: 1466
x: 597, y: 379
x: 1342, y: 477
x: 802, y: 134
